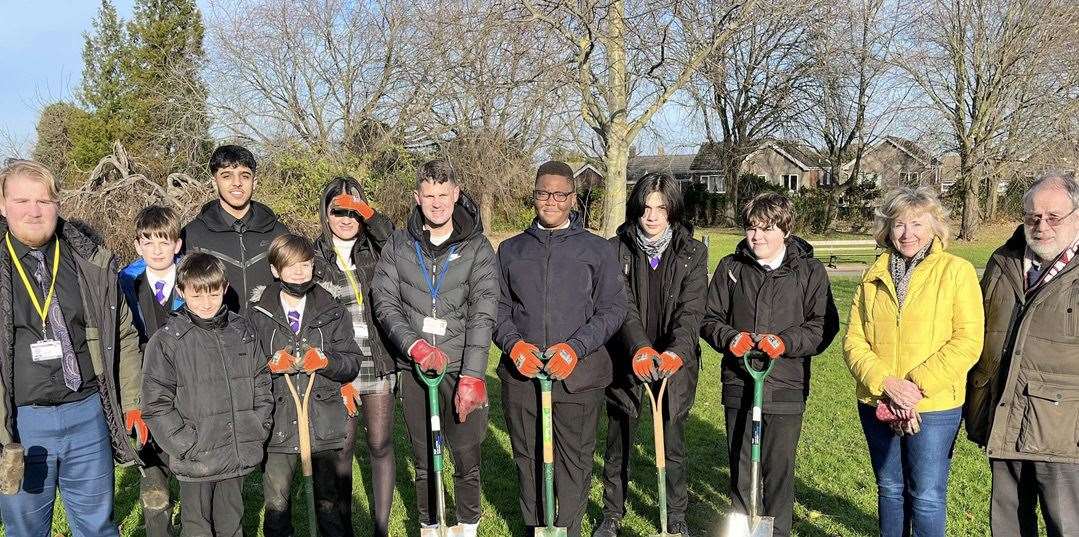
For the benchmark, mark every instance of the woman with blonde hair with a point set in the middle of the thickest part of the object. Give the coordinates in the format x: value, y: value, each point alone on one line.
x: 916, y: 328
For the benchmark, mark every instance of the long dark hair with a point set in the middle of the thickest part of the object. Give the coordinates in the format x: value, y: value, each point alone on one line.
x: 667, y: 186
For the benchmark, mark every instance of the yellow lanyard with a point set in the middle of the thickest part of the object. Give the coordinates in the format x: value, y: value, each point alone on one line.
x: 42, y: 310
x: 351, y: 279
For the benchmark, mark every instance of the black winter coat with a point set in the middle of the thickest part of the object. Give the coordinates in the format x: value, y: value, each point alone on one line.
x: 560, y: 286
x: 793, y: 302
x: 685, y: 282
x: 206, y: 397
x: 365, y: 253
x: 240, y: 244
x: 466, y: 300
x: 327, y: 326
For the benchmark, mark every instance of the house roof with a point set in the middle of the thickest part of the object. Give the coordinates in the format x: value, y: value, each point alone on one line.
x: 910, y: 147
x: 581, y: 166
x: 642, y: 165
x: 709, y: 155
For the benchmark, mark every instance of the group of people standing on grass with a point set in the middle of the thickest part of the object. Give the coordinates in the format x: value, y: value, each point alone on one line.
x: 186, y: 361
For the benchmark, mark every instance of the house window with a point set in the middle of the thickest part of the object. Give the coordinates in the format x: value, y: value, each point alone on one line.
x: 908, y: 179
x: 790, y: 182
x: 714, y: 184
x: 870, y: 177
x: 826, y: 179
x: 945, y: 186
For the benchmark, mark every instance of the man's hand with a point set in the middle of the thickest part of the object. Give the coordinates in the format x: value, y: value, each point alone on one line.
x: 282, y: 362
x: 526, y: 358
x: 430, y: 358
x: 741, y: 344
x: 669, y: 363
x: 133, y: 420
x: 561, y: 359
x: 772, y: 345
x: 313, y: 360
x: 644, y: 364
x: 348, y: 397
x: 471, y: 395
x: 352, y: 203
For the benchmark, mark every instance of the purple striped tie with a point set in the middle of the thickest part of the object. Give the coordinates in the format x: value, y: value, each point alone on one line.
x: 159, y: 292
x: 57, y: 325
x: 294, y: 321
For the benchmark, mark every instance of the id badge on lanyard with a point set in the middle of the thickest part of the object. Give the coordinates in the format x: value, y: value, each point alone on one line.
x: 432, y: 325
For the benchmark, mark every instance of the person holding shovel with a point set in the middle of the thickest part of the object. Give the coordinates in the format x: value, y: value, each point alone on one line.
x: 309, y: 338
x: 666, y: 275
x: 771, y: 295
x: 916, y: 329
x: 435, y: 293
x: 562, y: 299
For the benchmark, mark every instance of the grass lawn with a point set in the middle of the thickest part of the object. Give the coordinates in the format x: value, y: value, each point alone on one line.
x: 835, y: 489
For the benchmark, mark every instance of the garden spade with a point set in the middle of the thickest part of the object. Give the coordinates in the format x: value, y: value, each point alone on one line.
x: 437, y: 460
x: 753, y: 524
x: 303, y: 421
x: 546, y: 409
x: 661, y: 455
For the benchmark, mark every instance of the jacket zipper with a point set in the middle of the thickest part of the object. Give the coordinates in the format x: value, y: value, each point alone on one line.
x: 232, y: 399
x: 546, y: 296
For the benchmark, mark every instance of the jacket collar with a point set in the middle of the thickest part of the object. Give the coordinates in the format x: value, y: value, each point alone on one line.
x: 576, y: 227
x: 318, y: 309
x: 259, y: 218
x: 879, y: 270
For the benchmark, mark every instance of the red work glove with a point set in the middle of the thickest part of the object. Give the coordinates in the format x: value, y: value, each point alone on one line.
x: 526, y: 357
x: 313, y: 360
x: 669, y: 363
x: 471, y: 394
x: 429, y: 357
x: 644, y: 364
x: 348, y: 396
x: 282, y: 362
x: 352, y: 203
x: 133, y: 420
x: 561, y: 359
x: 772, y: 345
x: 741, y: 344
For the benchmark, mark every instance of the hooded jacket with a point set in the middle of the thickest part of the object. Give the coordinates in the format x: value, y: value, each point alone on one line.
x: 111, y: 337
x: 467, y: 298
x: 1023, y: 393
x: 794, y: 302
x: 206, y: 397
x: 325, y: 325
x: 241, y: 245
x: 364, y: 255
x: 560, y: 286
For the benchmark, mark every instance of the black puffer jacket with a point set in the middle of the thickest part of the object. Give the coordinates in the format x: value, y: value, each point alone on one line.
x: 794, y: 302
x: 560, y: 286
x: 240, y: 244
x: 206, y: 396
x: 365, y: 254
x: 685, y: 282
x: 466, y: 300
x: 327, y: 326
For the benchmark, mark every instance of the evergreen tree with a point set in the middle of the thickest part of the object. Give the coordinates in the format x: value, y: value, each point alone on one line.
x: 105, y: 90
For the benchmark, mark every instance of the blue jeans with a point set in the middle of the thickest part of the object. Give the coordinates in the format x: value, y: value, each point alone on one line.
x: 66, y: 446
x: 912, y: 472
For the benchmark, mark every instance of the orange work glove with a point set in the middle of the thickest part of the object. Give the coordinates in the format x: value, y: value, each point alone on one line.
x: 741, y: 344
x: 282, y: 362
x: 313, y: 360
x: 526, y: 357
x: 772, y: 345
x: 133, y: 420
x: 669, y: 363
x: 352, y: 203
x: 348, y: 396
x: 471, y: 395
x: 644, y: 364
x: 561, y: 359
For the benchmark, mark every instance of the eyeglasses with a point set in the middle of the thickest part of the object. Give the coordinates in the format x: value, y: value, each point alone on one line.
x: 1033, y: 220
x: 543, y: 195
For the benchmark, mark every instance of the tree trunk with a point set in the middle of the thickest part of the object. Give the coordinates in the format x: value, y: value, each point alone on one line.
x: 969, y: 225
x: 993, y: 200
x: 734, y: 198
x: 614, y: 206
x: 487, y: 203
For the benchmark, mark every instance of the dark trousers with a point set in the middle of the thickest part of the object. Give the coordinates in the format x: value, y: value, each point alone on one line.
x: 464, y: 440
x: 621, y: 428
x: 1018, y: 488
x: 575, y: 419
x: 332, y: 505
x: 212, y: 508
x: 779, y: 442
x: 154, y: 492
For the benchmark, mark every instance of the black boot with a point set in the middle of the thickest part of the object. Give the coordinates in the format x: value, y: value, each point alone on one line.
x: 608, y: 528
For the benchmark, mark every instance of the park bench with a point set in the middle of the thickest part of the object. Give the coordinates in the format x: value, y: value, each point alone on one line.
x: 856, y: 250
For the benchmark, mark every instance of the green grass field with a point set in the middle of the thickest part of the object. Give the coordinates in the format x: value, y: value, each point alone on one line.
x: 835, y: 488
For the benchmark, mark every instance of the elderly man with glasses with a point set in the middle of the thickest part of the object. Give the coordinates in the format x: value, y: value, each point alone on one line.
x: 1022, y: 402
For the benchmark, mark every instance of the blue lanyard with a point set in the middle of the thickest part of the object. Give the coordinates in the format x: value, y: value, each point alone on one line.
x: 432, y: 285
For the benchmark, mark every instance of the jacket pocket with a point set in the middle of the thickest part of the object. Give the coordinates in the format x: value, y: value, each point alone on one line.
x: 1050, y: 421
x: 327, y: 415
x: 1070, y: 311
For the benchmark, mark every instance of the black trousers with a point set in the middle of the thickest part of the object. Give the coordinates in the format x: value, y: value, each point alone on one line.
x: 212, y: 508
x: 333, y: 508
x: 621, y: 429
x: 464, y: 441
x: 154, y: 492
x: 575, y: 419
x: 1018, y: 488
x: 779, y: 442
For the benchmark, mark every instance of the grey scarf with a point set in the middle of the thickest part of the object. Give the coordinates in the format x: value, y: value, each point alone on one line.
x: 653, y: 248
x: 902, y: 269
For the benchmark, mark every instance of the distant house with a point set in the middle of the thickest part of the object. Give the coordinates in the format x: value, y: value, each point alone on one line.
x: 893, y: 162
x: 781, y: 162
x: 586, y: 176
x: 677, y: 166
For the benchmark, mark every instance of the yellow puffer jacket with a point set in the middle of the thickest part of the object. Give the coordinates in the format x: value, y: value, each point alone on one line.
x: 933, y: 341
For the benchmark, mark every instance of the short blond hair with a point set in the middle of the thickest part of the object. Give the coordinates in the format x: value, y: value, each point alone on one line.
x: 31, y: 169
x: 288, y: 249
x: 906, y: 200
